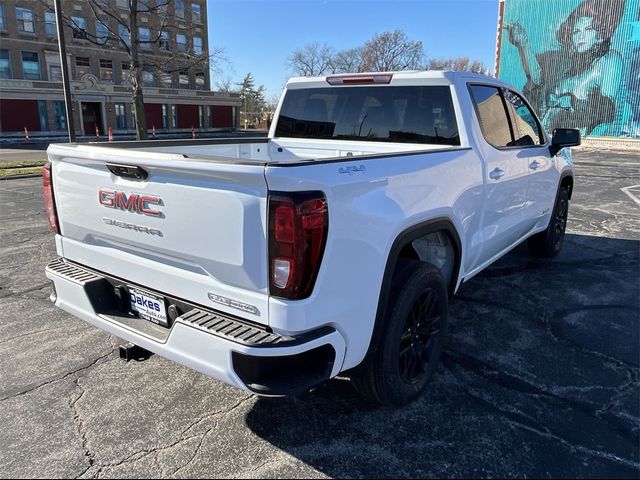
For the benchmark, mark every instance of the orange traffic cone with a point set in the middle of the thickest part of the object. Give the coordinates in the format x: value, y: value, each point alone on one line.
x: 193, y: 132
x: 110, y: 135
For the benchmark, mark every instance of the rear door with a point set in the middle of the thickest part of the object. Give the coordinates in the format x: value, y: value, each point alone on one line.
x: 192, y: 229
x: 507, y: 173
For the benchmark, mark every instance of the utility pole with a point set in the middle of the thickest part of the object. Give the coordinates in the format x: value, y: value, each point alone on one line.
x: 65, y: 71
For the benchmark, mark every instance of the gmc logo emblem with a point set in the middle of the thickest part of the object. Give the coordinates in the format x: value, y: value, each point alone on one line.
x: 133, y: 202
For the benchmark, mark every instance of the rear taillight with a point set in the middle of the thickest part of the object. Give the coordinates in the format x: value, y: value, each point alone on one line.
x: 49, y: 203
x: 298, y: 225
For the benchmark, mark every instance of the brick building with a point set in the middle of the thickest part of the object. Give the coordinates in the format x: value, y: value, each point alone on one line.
x: 31, y: 93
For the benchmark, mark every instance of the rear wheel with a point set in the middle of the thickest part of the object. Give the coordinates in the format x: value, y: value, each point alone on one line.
x: 410, y: 348
x: 548, y: 244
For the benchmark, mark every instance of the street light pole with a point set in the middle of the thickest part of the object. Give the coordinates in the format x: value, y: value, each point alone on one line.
x: 65, y: 71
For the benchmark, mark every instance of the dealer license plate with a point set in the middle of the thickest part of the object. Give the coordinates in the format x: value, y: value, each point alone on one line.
x: 148, y: 306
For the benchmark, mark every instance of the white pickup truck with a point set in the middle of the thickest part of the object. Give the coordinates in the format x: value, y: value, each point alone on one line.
x: 333, y: 245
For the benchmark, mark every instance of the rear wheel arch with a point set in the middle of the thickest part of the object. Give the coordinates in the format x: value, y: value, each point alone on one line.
x: 403, y: 250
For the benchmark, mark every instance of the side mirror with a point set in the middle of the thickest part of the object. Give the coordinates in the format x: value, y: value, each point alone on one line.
x: 564, y: 137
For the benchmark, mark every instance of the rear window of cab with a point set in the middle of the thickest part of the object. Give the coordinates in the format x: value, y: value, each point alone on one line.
x: 413, y: 114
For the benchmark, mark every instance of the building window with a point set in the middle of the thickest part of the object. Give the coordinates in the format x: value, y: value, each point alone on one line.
x: 83, y: 67
x: 5, y: 64
x: 106, y: 70
x: 55, y: 73
x: 161, y: 7
x: 60, y: 115
x: 147, y: 78
x: 30, y: 66
x: 197, y: 45
x: 122, y: 4
x: 165, y: 79
x: 3, y: 26
x: 200, y: 81
x: 181, y: 41
x: 178, y: 6
x: 196, y: 13
x: 123, y: 33
x: 79, y: 27
x: 165, y: 116
x: 126, y: 73
x: 50, y: 24
x: 164, y: 41
x: 42, y: 113
x: 102, y: 32
x: 54, y: 69
x: 24, y: 17
x: 144, y: 35
x: 183, y: 79
x: 121, y: 116
x: 144, y: 6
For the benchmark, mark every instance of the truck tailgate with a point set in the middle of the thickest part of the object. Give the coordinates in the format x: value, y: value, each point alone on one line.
x: 192, y: 229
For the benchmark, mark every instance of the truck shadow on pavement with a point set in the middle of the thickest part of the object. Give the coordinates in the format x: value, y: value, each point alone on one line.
x: 540, y: 378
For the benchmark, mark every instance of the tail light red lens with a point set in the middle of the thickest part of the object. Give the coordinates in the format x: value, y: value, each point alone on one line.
x: 298, y: 224
x: 49, y: 203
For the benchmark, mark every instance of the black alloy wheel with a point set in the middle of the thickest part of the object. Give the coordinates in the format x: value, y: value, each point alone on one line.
x: 547, y: 244
x: 420, y: 340
x: 407, y: 353
x: 561, y: 215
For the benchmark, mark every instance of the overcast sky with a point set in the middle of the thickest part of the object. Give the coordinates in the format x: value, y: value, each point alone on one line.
x: 259, y: 35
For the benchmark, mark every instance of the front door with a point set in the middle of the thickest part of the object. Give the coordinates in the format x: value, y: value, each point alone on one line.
x: 92, y: 118
x: 543, y: 179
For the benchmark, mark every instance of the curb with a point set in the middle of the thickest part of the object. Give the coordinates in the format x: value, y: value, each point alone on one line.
x: 26, y: 175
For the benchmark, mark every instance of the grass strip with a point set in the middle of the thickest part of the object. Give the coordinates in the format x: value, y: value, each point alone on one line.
x: 22, y: 163
x: 11, y: 172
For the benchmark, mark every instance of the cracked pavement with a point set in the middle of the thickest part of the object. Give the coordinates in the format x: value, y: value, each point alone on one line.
x: 540, y: 377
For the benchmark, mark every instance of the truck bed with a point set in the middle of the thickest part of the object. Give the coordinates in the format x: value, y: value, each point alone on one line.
x: 260, y: 150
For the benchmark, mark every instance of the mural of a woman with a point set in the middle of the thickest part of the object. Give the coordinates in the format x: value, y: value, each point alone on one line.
x: 575, y: 86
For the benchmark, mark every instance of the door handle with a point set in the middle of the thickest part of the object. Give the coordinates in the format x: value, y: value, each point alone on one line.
x: 496, y: 173
x: 534, y: 165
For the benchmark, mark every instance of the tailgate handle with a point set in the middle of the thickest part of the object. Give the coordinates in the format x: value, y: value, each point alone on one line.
x: 128, y: 171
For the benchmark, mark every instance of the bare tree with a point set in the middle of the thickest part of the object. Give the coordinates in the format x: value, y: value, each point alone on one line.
x: 225, y: 84
x: 311, y: 60
x: 459, y: 64
x: 348, y: 61
x: 387, y: 51
x: 124, y: 33
x: 391, y: 51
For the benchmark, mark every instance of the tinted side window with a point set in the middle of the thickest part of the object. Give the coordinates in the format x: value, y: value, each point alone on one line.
x: 527, y: 129
x: 492, y: 115
x: 417, y: 114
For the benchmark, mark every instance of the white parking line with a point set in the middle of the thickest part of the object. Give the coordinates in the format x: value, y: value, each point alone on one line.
x: 632, y: 196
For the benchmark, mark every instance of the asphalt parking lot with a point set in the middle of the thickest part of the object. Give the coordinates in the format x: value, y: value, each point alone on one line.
x: 540, y: 377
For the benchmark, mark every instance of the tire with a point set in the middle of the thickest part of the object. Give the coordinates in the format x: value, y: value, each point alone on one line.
x: 547, y: 244
x: 415, y: 328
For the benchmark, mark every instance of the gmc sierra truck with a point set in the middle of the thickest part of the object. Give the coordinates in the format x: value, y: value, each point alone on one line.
x: 331, y: 246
